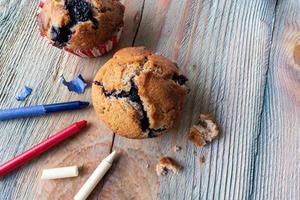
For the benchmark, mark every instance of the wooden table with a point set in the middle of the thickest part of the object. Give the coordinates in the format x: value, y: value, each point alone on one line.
x: 242, y: 58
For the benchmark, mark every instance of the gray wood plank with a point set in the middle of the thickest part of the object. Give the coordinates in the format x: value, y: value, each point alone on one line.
x: 278, y: 155
x: 223, y: 48
x: 27, y: 59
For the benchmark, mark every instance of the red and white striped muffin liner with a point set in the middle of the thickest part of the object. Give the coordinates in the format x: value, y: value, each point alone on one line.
x: 97, y: 51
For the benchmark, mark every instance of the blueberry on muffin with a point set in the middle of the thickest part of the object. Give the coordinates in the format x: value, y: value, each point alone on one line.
x: 87, y: 28
x: 138, y: 93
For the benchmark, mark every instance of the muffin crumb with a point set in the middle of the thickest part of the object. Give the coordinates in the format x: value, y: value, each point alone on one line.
x: 165, y: 164
x: 177, y: 148
x: 202, y: 159
x: 205, y: 131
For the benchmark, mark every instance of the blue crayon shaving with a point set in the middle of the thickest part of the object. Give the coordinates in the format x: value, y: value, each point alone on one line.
x: 26, y: 91
x: 77, y: 85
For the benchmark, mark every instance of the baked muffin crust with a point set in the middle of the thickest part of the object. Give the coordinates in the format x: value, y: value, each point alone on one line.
x: 80, y: 24
x: 138, y: 94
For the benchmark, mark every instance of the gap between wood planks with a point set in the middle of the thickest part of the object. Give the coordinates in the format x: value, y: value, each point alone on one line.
x: 132, y: 44
x: 257, y: 138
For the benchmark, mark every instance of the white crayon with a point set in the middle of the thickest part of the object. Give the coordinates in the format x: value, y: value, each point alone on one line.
x: 96, y: 176
x: 62, y: 172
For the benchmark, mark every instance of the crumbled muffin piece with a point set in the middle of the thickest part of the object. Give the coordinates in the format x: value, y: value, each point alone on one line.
x: 165, y: 164
x: 204, y: 131
x: 202, y: 159
x: 177, y: 148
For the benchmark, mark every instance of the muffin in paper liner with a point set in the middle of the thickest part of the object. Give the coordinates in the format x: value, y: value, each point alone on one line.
x: 83, y: 28
x: 100, y: 50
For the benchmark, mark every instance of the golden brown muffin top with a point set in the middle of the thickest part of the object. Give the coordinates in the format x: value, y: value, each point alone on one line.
x: 138, y: 93
x: 80, y: 24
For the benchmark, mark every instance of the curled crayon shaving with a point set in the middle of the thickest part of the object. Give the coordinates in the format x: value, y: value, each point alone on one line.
x: 77, y: 85
x: 26, y: 91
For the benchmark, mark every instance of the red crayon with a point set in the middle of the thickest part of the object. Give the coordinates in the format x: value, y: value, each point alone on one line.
x: 42, y: 147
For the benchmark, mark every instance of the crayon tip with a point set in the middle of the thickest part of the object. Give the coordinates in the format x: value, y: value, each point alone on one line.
x: 81, y: 124
x: 110, y: 158
x: 83, y: 104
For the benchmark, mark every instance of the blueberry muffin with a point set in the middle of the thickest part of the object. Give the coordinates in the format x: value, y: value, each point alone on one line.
x: 87, y: 28
x: 138, y: 93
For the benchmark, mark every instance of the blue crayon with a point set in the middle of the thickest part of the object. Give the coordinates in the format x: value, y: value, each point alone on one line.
x: 38, y: 110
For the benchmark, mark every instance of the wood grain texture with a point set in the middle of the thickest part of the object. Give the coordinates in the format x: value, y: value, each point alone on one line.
x: 27, y: 59
x: 223, y: 48
x: 242, y: 61
x: 278, y: 155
